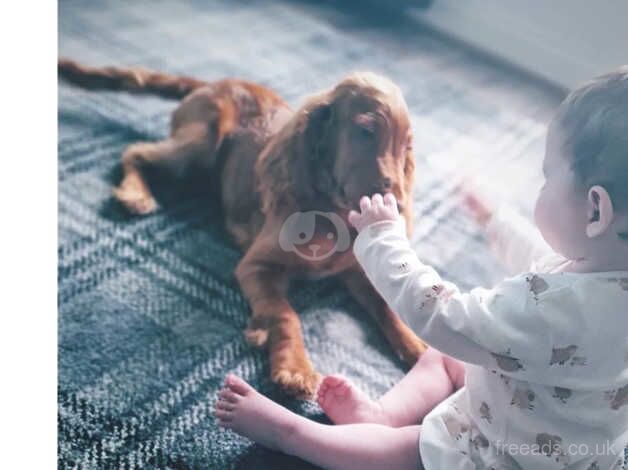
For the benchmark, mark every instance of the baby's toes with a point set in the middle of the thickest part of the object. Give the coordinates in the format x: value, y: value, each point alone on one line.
x: 237, y: 385
x: 334, y: 387
x: 332, y: 380
x: 228, y: 395
x: 223, y: 415
x: 343, y: 389
x: 338, y: 383
x: 322, y: 388
x: 224, y: 405
x: 321, y: 395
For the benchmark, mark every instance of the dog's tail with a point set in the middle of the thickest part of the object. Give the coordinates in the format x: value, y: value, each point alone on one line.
x: 135, y: 80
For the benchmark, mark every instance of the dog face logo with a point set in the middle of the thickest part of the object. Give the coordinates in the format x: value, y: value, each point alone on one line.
x: 314, y: 235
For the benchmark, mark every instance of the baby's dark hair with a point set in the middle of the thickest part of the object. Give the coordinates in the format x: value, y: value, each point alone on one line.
x: 592, y: 123
x: 593, y: 126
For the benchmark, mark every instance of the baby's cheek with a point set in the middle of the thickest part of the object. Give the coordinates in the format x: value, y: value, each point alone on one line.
x: 537, y: 213
x: 543, y: 209
x: 543, y: 217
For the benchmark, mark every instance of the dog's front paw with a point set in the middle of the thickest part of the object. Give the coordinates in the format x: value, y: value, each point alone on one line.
x: 136, y: 200
x: 299, y: 383
x: 257, y: 330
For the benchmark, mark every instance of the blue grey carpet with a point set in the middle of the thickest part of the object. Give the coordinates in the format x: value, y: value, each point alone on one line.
x: 150, y: 318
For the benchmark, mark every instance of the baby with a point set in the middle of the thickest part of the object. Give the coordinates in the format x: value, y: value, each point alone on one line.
x: 533, y: 373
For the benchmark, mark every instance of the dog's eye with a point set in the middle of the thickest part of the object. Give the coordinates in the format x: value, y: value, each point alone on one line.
x: 365, y: 125
x: 366, y: 132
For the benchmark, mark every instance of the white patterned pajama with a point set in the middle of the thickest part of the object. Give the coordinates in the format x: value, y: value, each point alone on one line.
x: 546, y: 353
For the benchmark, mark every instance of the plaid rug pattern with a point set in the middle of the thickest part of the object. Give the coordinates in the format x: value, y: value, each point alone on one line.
x: 150, y: 316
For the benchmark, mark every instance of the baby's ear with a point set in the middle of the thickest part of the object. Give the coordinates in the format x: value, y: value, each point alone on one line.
x: 599, y: 211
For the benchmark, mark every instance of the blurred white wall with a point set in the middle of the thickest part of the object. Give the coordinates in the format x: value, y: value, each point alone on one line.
x: 565, y: 41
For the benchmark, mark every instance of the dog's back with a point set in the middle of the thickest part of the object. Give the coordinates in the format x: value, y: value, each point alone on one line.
x: 217, y: 134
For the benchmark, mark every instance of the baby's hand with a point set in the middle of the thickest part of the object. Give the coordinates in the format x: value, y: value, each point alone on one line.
x: 478, y: 205
x: 374, y: 209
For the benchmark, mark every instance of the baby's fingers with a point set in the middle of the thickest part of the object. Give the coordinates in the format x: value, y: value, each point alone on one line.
x: 355, y: 219
x: 479, y: 208
x: 365, y: 203
x: 377, y: 201
x: 391, y: 203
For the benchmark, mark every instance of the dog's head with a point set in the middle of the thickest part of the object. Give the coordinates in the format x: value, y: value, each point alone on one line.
x: 350, y: 141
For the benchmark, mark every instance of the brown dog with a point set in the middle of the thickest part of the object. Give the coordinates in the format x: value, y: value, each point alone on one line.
x: 287, y: 181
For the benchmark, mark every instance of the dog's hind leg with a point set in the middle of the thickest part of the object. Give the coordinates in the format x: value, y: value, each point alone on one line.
x: 175, y: 154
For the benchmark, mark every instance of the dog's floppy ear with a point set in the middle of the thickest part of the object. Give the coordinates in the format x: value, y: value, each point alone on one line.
x: 313, y: 164
x: 315, y: 130
x: 408, y: 167
x: 408, y: 183
x: 290, y: 168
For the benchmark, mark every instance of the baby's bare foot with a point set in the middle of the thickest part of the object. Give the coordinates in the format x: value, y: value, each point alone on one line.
x: 241, y: 408
x: 346, y: 404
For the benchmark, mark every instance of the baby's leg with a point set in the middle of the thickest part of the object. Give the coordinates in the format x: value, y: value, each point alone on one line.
x: 433, y: 378
x: 428, y: 383
x: 364, y: 446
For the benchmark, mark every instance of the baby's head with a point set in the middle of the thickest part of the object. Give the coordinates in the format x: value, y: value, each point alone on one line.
x: 582, y: 210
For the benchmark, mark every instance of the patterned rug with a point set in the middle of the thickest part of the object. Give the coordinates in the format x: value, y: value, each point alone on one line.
x: 150, y: 317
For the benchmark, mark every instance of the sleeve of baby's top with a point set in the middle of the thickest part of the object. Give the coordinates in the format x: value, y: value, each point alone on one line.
x: 489, y: 327
x: 515, y: 240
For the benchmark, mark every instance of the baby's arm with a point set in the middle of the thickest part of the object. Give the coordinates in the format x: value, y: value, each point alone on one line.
x: 514, y: 239
x: 477, y: 327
